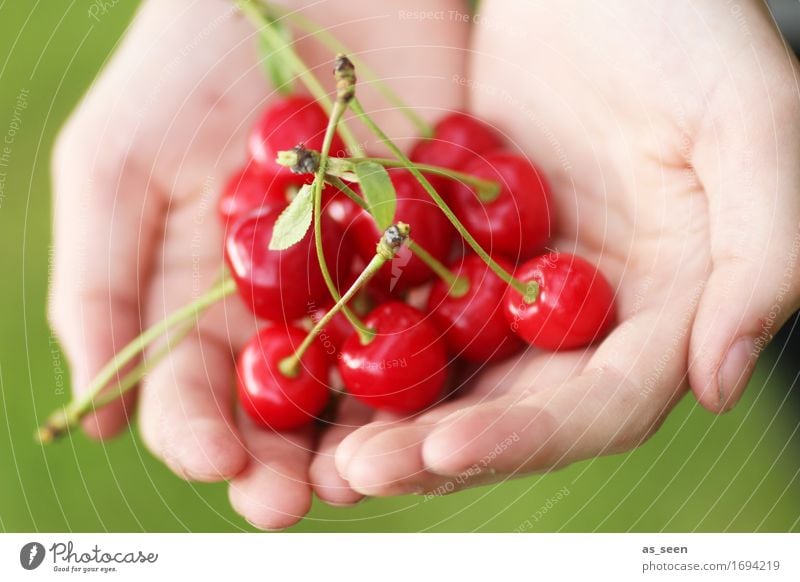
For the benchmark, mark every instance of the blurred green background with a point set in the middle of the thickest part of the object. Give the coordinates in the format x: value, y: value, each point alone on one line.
x: 700, y: 472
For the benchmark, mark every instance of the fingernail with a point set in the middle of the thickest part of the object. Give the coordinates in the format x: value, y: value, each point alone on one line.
x: 735, y: 371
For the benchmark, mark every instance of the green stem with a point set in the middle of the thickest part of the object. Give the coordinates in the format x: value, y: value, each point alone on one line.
x: 528, y: 291
x: 289, y: 366
x: 135, y: 376
x: 336, y: 46
x: 255, y: 13
x: 62, y: 419
x: 487, y: 190
x: 458, y: 285
x: 342, y: 186
x: 319, y: 181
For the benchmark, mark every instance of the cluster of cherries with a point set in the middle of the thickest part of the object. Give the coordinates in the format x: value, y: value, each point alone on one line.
x: 403, y: 363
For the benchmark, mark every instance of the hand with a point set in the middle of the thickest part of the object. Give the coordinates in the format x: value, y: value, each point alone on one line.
x: 671, y: 134
x: 136, y: 173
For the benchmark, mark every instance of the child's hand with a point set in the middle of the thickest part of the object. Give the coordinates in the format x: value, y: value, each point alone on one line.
x: 137, y: 172
x: 671, y: 134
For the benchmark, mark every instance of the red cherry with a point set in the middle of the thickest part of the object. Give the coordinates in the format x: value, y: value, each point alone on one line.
x: 457, y: 139
x: 266, y: 394
x: 334, y: 334
x: 429, y: 227
x: 250, y: 188
x: 575, y: 306
x: 517, y: 222
x: 282, y: 285
x: 403, y: 368
x: 474, y: 324
x: 286, y: 123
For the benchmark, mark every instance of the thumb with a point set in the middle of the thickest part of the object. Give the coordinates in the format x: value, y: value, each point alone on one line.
x: 747, y: 164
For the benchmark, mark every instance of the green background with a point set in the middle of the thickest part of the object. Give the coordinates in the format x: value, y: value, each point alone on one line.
x: 700, y: 472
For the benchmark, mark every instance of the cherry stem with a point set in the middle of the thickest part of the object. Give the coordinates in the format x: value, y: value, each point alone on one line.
x: 336, y: 46
x: 341, y: 185
x: 459, y: 286
x: 487, y: 190
x: 62, y: 419
x: 529, y: 291
x: 344, y: 94
x: 394, y: 237
x: 255, y: 12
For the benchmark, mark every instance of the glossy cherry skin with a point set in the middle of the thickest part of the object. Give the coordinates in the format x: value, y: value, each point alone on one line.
x: 474, y: 324
x: 517, y: 223
x: 334, y: 334
x: 457, y: 139
x: 268, y: 396
x: 251, y: 188
x: 575, y: 306
x: 282, y: 286
x: 429, y: 227
x: 288, y: 122
x: 403, y: 368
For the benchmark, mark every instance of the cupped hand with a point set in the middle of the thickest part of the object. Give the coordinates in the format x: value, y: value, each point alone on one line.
x: 670, y: 132
x: 137, y: 171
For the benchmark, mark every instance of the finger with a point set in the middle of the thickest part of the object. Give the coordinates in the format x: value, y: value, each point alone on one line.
x: 328, y: 483
x: 629, y: 384
x: 390, y: 462
x: 387, y: 457
x: 105, y: 221
x: 185, y: 410
x: 352, y: 442
x: 274, y: 491
x: 614, y: 404
x: 746, y: 159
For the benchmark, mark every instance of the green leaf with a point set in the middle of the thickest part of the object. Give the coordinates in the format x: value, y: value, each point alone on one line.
x: 293, y: 223
x: 378, y: 192
x: 274, y: 62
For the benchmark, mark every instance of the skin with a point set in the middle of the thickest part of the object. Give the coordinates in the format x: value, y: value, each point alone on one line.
x: 669, y: 132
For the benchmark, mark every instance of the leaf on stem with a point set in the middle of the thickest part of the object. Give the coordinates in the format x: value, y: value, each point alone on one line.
x: 294, y: 222
x: 273, y: 59
x: 378, y: 191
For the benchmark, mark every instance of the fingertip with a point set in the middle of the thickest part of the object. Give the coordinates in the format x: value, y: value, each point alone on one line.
x: 207, y: 451
x: 707, y: 395
x: 447, y: 449
x: 329, y: 485
x: 270, y: 499
x: 720, y: 390
x: 350, y: 444
x: 102, y: 425
x: 390, y: 463
x: 344, y: 453
x: 109, y: 421
x: 489, y: 437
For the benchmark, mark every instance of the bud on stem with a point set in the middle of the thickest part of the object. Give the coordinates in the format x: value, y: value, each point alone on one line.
x: 345, y: 74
